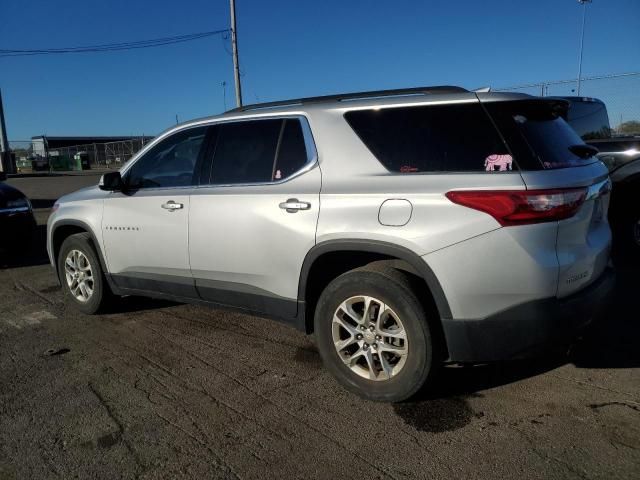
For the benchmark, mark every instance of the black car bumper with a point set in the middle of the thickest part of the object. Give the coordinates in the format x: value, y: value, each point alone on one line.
x: 522, y: 330
x: 16, y: 228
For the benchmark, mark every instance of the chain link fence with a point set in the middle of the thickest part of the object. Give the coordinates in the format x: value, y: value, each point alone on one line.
x: 77, y: 157
x: 22, y: 151
x: 619, y: 92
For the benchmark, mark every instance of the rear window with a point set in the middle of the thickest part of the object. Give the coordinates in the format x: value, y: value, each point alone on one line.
x: 589, y: 119
x: 432, y: 138
x: 538, y: 136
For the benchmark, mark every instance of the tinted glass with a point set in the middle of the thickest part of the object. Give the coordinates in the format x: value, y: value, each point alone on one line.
x: 438, y: 138
x: 537, y: 134
x: 292, y: 154
x: 170, y: 163
x: 245, y: 152
x: 589, y: 119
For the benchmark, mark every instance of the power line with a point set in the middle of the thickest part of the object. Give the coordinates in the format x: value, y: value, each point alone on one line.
x: 112, y: 47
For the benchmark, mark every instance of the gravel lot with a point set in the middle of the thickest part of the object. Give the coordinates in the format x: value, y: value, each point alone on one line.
x: 162, y: 390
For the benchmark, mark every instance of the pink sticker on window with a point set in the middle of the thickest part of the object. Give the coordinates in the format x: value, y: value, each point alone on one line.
x: 496, y: 162
x: 278, y: 175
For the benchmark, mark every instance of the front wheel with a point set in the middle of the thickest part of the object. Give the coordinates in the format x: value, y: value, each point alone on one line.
x: 373, y: 334
x: 81, y: 276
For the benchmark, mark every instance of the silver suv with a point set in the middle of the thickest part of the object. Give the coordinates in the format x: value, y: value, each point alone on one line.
x: 404, y: 229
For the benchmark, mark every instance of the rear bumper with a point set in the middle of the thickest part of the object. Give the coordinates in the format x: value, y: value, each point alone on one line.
x: 521, y: 330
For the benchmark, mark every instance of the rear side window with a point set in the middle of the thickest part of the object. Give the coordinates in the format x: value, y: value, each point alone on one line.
x: 292, y: 154
x: 537, y: 134
x: 245, y: 152
x: 258, y: 151
x: 433, y: 138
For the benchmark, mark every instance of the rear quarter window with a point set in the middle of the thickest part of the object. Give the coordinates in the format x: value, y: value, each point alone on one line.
x: 432, y: 138
x: 537, y: 134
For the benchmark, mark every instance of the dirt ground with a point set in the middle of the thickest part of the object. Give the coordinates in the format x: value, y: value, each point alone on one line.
x: 162, y: 390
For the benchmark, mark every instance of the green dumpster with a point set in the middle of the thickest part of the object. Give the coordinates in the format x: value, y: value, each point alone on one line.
x: 82, y: 161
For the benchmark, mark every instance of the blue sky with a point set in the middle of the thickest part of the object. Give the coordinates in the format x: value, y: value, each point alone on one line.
x: 287, y: 49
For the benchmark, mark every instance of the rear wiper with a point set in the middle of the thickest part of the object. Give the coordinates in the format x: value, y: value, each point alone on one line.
x: 583, y: 150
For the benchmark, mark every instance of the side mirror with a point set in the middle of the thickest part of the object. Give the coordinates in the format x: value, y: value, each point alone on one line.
x: 111, y: 182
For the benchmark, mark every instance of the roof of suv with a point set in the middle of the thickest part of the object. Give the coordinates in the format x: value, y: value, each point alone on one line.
x: 374, y: 94
x: 444, y: 93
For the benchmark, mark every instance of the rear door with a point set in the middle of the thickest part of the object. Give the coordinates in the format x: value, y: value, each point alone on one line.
x: 551, y: 155
x: 145, y: 228
x: 253, y: 218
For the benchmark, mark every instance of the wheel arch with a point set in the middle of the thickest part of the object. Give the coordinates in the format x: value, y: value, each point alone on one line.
x: 62, y: 230
x: 354, y: 253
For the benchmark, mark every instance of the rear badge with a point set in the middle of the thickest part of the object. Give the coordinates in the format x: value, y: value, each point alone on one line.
x: 575, y: 278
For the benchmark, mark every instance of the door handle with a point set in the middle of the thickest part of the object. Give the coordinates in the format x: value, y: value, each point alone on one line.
x: 293, y: 205
x: 171, y: 206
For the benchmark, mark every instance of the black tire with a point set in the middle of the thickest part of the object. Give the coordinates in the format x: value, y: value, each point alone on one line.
x: 101, y: 296
x: 393, y: 288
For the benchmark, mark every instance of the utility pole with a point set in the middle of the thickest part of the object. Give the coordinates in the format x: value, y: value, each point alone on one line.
x: 234, y: 47
x: 224, y: 95
x: 6, y: 164
x: 584, y: 17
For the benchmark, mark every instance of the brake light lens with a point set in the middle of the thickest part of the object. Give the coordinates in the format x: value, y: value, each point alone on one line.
x: 522, y: 207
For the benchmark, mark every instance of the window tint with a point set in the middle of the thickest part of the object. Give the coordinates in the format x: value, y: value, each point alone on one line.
x: 245, y: 152
x: 538, y: 135
x: 438, y: 138
x: 258, y: 151
x: 170, y: 163
x: 292, y: 154
x: 589, y: 119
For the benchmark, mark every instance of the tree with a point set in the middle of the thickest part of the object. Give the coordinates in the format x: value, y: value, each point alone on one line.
x: 631, y: 127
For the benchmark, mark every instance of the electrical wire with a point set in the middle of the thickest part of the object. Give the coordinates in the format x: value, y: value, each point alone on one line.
x: 112, y: 47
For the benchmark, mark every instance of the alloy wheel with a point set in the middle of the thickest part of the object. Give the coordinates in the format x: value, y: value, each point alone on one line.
x: 79, y: 275
x: 370, y: 338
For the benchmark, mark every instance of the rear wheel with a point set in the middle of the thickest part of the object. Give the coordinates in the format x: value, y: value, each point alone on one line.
x: 81, y: 274
x: 373, y: 334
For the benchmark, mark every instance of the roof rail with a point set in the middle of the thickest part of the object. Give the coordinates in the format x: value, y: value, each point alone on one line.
x: 354, y: 96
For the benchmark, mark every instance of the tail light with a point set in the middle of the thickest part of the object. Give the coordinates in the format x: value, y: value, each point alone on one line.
x: 522, y: 207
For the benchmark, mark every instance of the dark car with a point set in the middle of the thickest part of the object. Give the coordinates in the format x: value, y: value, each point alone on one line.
x: 17, y: 223
x: 621, y: 155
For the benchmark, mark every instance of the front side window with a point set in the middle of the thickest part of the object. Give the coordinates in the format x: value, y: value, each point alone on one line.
x: 432, y: 138
x: 258, y: 151
x: 170, y: 163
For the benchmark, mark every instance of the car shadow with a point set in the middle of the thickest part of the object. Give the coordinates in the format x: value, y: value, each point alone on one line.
x: 132, y: 304
x: 610, y: 342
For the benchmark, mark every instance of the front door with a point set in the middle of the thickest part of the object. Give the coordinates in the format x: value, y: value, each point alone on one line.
x: 254, y: 218
x: 146, y: 227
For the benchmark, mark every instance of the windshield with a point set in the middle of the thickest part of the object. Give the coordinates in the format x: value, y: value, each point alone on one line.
x: 537, y: 135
